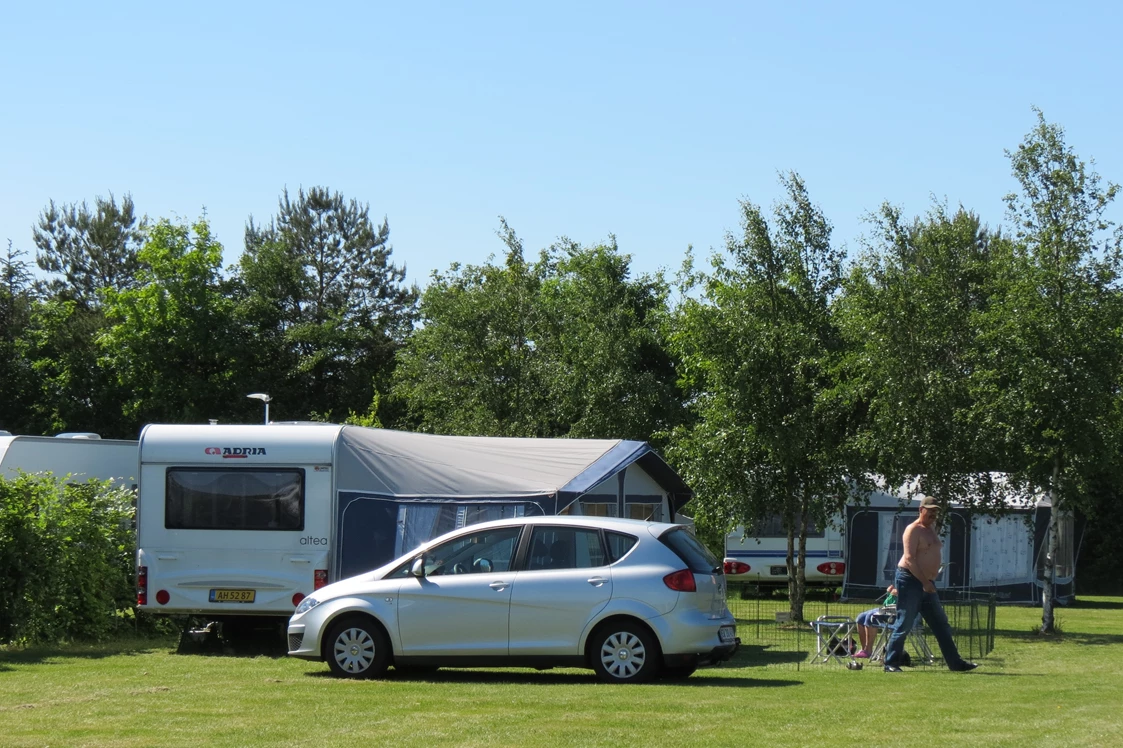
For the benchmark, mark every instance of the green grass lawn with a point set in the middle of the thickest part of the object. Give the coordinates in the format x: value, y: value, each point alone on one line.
x: 1064, y: 690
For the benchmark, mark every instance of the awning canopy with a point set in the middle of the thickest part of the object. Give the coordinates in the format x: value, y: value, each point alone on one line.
x: 551, y: 472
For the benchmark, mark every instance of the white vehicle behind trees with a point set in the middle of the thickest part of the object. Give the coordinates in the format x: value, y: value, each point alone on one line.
x: 74, y: 456
x: 859, y: 549
x: 761, y: 559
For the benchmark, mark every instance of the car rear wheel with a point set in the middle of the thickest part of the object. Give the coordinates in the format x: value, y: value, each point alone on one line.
x: 624, y: 652
x: 357, y: 648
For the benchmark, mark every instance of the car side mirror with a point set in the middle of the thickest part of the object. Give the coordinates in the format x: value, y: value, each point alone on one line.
x: 417, y: 569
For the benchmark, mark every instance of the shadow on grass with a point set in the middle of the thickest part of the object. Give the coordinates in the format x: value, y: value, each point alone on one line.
x: 1093, y: 605
x: 561, y: 677
x: 240, y: 649
x: 1094, y: 640
x: 44, y: 654
x: 754, y: 654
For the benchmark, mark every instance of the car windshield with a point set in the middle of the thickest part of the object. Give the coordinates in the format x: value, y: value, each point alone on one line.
x: 690, y: 549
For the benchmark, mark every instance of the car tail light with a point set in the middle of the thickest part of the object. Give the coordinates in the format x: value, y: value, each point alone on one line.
x: 681, y: 581
x: 832, y: 568
x: 297, y: 598
x: 321, y: 579
x: 736, y: 567
x: 163, y: 597
x: 142, y: 585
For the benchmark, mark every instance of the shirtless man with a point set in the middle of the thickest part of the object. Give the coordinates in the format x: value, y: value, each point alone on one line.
x: 916, y: 591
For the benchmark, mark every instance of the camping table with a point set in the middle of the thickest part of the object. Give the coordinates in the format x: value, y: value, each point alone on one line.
x: 833, y: 636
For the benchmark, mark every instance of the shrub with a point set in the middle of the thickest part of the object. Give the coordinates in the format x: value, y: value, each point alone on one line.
x: 66, y: 559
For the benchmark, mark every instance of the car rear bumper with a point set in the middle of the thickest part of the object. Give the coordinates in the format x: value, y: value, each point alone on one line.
x: 715, y: 656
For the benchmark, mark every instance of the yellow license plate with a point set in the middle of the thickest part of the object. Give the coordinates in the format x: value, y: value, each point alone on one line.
x: 232, y: 596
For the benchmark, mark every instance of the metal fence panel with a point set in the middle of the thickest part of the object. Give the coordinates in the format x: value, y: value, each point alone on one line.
x: 770, y: 639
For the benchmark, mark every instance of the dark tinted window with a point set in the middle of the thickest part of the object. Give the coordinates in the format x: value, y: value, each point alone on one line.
x: 564, y: 548
x: 246, y: 499
x: 618, y: 545
x: 696, y: 556
x: 773, y: 527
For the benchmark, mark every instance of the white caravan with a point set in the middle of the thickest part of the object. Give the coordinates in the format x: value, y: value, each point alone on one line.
x: 859, y: 550
x: 762, y: 559
x: 236, y: 522
x: 76, y: 457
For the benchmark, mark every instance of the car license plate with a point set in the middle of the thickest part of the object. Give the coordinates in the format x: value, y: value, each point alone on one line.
x: 778, y: 571
x: 725, y: 633
x: 232, y: 596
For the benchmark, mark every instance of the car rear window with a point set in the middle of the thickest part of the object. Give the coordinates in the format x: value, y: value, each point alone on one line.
x: 696, y: 556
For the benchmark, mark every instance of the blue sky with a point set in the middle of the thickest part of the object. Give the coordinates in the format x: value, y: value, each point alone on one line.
x: 644, y: 120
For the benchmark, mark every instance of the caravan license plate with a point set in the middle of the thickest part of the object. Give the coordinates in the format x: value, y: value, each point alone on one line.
x: 725, y: 633
x: 232, y: 596
x: 778, y: 571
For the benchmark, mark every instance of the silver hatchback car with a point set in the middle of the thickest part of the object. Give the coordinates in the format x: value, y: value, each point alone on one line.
x: 630, y: 599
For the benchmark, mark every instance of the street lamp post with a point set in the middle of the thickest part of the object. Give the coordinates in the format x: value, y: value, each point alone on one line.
x: 263, y: 398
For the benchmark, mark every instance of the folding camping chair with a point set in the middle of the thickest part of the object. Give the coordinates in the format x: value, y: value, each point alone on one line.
x: 887, y: 616
x: 834, y: 638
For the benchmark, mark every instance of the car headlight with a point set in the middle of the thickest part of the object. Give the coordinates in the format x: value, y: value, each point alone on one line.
x: 306, y: 605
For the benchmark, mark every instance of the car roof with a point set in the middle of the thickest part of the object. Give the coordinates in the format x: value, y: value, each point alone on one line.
x: 633, y: 526
x: 616, y: 523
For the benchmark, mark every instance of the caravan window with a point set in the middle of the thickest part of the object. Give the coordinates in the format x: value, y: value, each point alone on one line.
x: 636, y: 506
x: 773, y: 527
x: 246, y: 499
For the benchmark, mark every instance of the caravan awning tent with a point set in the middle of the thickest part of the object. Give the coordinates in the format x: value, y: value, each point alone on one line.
x: 981, y: 554
x: 550, y: 472
x: 396, y: 490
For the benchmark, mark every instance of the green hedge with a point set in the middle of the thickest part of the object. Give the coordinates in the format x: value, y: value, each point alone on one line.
x: 66, y: 560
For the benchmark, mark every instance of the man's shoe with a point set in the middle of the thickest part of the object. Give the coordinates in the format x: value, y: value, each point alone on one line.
x: 893, y: 669
x: 964, y: 667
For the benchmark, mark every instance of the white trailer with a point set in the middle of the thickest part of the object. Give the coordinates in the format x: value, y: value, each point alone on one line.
x: 762, y: 559
x: 860, y: 547
x: 76, y: 457
x: 237, y: 522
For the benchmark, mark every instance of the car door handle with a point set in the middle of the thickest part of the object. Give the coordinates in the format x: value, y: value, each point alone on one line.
x: 499, y: 586
x: 597, y: 581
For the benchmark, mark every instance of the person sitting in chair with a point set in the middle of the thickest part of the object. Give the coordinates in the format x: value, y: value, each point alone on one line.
x: 870, y: 620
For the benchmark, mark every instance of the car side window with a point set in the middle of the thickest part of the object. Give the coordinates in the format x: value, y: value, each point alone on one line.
x: 477, y: 553
x: 564, y: 548
x: 618, y: 545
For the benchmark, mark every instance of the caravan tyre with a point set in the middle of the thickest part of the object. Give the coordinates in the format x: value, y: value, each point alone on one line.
x: 357, y: 647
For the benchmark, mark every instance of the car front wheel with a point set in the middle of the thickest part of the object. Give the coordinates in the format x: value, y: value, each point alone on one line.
x: 357, y: 648
x: 624, y: 652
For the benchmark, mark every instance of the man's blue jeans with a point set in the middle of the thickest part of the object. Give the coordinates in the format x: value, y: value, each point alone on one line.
x: 912, y: 600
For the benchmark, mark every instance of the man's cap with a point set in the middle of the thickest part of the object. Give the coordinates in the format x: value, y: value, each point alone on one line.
x: 929, y: 502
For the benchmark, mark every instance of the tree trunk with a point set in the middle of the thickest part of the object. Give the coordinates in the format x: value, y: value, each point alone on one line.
x: 797, y: 560
x: 1052, y: 544
x: 795, y: 602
